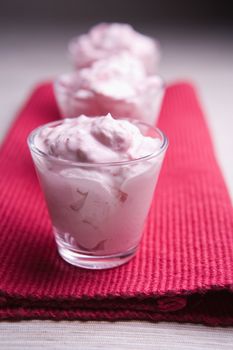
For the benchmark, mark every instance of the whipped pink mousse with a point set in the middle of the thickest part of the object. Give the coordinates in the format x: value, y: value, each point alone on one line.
x: 118, y: 85
x: 98, y: 175
x: 107, y: 39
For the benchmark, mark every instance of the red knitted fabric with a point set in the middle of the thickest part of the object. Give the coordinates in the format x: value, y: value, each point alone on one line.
x: 183, y: 270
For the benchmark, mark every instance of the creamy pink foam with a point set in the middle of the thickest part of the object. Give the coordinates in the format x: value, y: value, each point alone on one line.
x: 95, y: 208
x: 107, y: 39
x: 118, y: 85
x: 96, y: 139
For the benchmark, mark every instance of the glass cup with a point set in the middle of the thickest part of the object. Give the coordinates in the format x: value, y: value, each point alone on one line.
x: 98, y: 210
x: 145, y: 105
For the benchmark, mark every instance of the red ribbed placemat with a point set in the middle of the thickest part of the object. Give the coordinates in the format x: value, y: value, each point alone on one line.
x: 183, y: 270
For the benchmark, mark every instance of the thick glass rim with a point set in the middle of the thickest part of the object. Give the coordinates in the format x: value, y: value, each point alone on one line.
x: 39, y: 152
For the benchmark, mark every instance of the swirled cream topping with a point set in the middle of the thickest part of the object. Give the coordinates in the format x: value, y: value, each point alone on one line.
x: 107, y: 39
x: 118, y: 77
x: 96, y: 140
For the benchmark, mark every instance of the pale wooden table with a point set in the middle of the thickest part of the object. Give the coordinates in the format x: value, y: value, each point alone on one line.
x: 29, y: 56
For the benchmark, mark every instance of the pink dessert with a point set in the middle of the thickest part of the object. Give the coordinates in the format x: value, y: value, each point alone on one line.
x: 118, y: 84
x: 98, y: 175
x: 107, y: 39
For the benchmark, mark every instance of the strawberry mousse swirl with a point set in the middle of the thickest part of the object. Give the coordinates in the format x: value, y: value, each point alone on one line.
x: 96, y: 140
x: 107, y: 39
x: 118, y: 85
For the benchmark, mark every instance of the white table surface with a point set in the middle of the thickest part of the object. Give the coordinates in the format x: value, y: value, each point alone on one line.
x: 204, y: 57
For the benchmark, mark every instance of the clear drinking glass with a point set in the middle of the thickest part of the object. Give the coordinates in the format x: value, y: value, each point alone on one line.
x: 98, y: 210
x: 145, y: 105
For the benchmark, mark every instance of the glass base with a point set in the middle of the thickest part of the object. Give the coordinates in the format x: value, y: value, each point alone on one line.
x: 94, y: 262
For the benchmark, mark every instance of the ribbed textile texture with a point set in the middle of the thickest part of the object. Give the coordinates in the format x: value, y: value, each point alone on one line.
x: 183, y: 270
